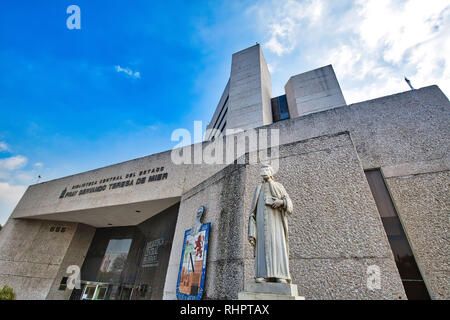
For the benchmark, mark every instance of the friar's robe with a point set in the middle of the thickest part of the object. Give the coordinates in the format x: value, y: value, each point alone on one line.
x: 271, y: 231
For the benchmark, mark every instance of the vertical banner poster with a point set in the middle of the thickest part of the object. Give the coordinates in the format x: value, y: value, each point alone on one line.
x: 191, y: 276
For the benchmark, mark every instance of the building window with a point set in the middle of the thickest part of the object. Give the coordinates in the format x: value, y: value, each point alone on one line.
x: 223, y: 127
x: 63, y: 283
x: 58, y: 229
x: 221, y: 115
x: 114, y: 260
x: 280, y: 110
x: 406, y: 264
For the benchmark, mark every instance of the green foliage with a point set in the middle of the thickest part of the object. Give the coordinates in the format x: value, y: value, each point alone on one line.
x: 7, y: 293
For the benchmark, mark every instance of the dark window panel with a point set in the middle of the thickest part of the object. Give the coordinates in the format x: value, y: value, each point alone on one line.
x: 219, y: 117
x: 406, y: 264
x: 63, y: 283
x: 404, y: 258
x: 280, y: 110
x: 76, y: 293
x: 223, y: 127
x: 392, y: 226
x: 415, y: 290
x: 381, y: 194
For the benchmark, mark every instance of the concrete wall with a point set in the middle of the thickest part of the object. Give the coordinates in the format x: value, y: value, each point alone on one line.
x: 406, y: 130
x: 221, y: 195
x: 422, y: 202
x: 31, y: 255
x: 313, y: 91
x: 44, y: 198
x: 407, y: 136
x: 75, y: 255
x: 250, y: 90
x: 335, y: 230
x: 409, y: 129
x: 117, y: 206
x: 266, y: 90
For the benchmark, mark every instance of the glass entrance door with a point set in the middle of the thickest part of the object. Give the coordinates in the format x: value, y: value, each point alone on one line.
x: 94, y: 291
x: 129, y: 262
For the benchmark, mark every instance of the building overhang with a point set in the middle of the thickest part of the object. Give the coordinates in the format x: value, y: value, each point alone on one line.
x: 129, y: 214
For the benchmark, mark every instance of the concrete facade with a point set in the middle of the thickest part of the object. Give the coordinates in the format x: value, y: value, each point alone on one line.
x: 331, y: 243
x: 313, y: 91
x: 112, y: 206
x: 335, y: 231
x: 76, y: 252
x: 423, y: 204
x: 30, y: 256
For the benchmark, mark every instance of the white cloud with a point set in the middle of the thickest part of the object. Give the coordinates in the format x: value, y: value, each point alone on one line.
x: 372, y: 44
x: 396, y: 39
x: 14, y: 181
x: 3, y: 146
x: 24, y: 178
x: 10, y: 194
x: 13, y: 163
x: 9, y: 197
x: 286, y: 20
x: 399, y: 26
x: 129, y: 72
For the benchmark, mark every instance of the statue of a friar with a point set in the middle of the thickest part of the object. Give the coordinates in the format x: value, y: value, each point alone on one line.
x: 268, y: 229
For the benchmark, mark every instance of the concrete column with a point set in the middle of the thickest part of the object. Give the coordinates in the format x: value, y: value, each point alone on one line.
x: 31, y: 255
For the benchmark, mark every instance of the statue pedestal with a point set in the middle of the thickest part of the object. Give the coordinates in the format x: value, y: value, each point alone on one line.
x: 270, y: 291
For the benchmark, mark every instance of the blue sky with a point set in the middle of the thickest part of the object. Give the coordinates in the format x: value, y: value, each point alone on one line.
x: 75, y: 100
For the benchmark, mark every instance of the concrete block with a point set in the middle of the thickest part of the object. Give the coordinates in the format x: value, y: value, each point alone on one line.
x: 273, y: 287
x: 266, y: 296
x: 313, y: 91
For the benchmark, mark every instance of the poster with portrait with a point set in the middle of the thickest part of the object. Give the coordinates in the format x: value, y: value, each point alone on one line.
x: 191, y: 275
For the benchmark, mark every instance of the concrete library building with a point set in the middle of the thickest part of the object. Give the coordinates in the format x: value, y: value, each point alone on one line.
x: 369, y: 185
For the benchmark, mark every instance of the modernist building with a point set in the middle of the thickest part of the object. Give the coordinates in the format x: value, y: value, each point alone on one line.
x: 369, y: 184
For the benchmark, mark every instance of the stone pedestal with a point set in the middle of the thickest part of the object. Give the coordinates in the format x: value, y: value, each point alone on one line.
x: 270, y: 291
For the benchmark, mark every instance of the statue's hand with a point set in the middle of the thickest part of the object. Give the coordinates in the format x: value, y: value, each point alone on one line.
x: 277, y: 203
x: 252, y: 241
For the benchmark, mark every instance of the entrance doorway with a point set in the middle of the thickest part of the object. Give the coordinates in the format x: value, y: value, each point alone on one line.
x: 129, y: 263
x: 94, y: 291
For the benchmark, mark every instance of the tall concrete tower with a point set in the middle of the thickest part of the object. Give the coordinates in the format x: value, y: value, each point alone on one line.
x: 250, y: 90
x: 246, y: 100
